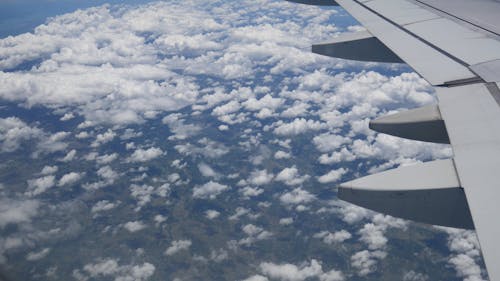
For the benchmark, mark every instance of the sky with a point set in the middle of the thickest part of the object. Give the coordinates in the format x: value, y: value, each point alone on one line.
x: 22, y: 16
x: 185, y: 119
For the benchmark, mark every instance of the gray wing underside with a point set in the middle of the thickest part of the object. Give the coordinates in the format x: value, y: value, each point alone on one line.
x: 455, y: 46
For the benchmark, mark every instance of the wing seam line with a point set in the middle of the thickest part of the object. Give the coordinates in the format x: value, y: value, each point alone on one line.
x: 455, y: 17
x: 414, y: 35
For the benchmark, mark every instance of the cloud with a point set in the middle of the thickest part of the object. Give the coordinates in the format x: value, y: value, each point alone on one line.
x: 209, y: 148
x: 207, y: 171
x: 209, y: 190
x: 103, y: 138
x: 373, y: 235
x: 212, y: 214
x: 106, y: 158
x: 266, y: 102
x: 290, y: 176
x: 366, y: 261
x: 248, y: 192
x: 465, y: 257
x: 305, y: 271
x: 107, y: 175
x: 34, y: 256
x: 15, y: 212
x: 240, y: 211
x: 260, y: 177
x: 69, y: 156
x: 286, y: 221
x: 134, y: 226
x: 343, y: 155
x: 296, y: 110
x: 70, y: 178
x: 144, y: 155
x: 142, y: 193
x: 181, y: 131
x: 329, y: 142
x: 332, y: 176
x: 47, y: 170
x: 466, y: 267
x: 14, y: 132
x: 67, y: 116
x: 351, y: 213
x: 40, y: 185
x: 225, y: 109
x: 282, y: 155
x: 110, y: 267
x: 297, y: 196
x: 297, y: 126
x: 332, y: 238
x: 254, y: 233
x: 159, y: 219
x: 178, y: 246
x: 415, y: 276
x: 117, y: 96
x: 256, y: 278
x: 103, y: 205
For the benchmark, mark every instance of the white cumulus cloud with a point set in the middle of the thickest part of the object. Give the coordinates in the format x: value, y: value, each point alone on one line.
x: 209, y: 190
x: 177, y: 246
x: 144, y: 155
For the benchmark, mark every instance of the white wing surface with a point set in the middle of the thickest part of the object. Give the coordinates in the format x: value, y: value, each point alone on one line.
x: 455, y: 46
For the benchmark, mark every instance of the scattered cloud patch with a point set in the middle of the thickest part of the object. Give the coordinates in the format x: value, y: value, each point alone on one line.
x: 177, y: 246
x: 34, y: 256
x: 297, y: 126
x: 290, y: 176
x: 212, y: 214
x: 332, y: 238
x: 103, y: 205
x: 209, y: 190
x: 286, y: 221
x: 134, y: 226
x: 106, y: 268
x: 254, y: 234
x: 305, y: 271
x: 366, y: 261
x: 206, y: 170
x: 15, y: 212
x: 70, y: 178
x: 282, y: 155
x: 297, y: 196
x: 14, y: 133
x: 332, y: 176
x: 247, y: 192
x: 48, y: 170
x: 260, y: 177
x: 40, y: 185
x: 70, y: 156
x: 465, y: 256
x: 144, y: 155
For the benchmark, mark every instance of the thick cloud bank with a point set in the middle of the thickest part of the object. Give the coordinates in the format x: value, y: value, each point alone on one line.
x: 117, y: 64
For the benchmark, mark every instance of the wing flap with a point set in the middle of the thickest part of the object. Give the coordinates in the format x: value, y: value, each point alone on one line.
x: 423, y: 124
x: 428, y: 192
x: 361, y: 46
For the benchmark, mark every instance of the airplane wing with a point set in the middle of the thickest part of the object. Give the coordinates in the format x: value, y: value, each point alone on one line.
x: 455, y: 46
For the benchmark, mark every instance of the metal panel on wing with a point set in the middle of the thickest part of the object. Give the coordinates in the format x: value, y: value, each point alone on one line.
x: 361, y: 46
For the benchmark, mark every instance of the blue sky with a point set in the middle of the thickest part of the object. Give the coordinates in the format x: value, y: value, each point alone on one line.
x: 19, y: 16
